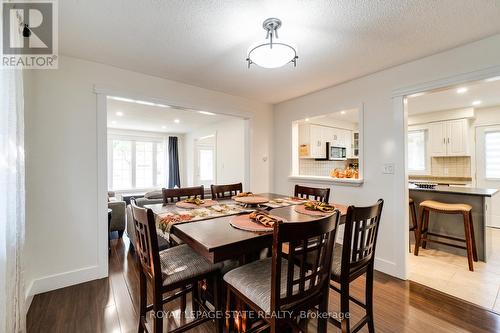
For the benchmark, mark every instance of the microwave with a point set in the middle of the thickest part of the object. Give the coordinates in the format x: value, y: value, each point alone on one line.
x: 335, y: 153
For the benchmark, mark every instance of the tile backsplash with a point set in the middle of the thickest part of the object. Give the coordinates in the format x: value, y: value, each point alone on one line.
x: 311, y: 167
x: 451, y: 166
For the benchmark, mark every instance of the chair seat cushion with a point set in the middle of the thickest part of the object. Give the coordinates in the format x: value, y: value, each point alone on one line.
x: 180, y: 263
x: 445, y: 207
x: 254, y: 281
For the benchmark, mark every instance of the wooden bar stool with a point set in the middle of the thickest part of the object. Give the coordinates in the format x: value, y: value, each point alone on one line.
x: 413, y: 217
x: 444, y: 208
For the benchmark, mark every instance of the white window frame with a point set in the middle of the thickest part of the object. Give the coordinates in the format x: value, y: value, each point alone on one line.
x: 427, y: 170
x: 486, y: 132
x: 137, y: 136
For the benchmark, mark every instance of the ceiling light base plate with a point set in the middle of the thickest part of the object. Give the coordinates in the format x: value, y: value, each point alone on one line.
x: 271, y: 24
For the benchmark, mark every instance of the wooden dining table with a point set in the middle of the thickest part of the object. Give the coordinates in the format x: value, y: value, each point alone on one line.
x: 217, y: 240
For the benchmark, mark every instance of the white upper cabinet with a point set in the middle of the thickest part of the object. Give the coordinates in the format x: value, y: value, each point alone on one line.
x: 449, y: 138
x: 313, y: 139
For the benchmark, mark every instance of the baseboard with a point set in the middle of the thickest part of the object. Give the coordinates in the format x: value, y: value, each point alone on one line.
x: 388, y: 267
x: 61, y: 280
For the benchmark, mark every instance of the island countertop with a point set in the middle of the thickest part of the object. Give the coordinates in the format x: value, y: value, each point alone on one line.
x: 463, y: 190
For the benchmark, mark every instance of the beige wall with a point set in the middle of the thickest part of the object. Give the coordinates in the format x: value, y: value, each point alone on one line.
x: 61, y: 160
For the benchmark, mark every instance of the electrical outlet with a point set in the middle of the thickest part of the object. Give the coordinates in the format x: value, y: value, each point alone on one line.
x: 388, y: 168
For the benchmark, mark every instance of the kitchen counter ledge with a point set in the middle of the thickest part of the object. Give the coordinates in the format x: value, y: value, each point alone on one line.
x: 327, y: 180
x: 462, y: 190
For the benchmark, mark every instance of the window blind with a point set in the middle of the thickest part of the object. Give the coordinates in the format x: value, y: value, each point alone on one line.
x: 492, y: 152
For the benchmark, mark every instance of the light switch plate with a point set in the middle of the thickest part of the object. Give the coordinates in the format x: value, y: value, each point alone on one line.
x: 388, y: 168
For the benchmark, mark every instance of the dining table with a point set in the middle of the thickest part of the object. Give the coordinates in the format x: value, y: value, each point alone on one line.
x: 213, y: 236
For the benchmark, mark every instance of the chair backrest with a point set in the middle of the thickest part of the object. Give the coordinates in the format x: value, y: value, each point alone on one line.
x: 360, y: 239
x: 226, y: 191
x: 146, y: 241
x: 304, y: 278
x: 171, y: 195
x: 318, y: 194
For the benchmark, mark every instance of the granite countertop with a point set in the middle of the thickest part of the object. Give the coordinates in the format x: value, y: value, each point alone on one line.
x: 483, y: 192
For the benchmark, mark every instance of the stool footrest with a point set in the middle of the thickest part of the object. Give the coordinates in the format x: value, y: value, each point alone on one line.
x: 446, y: 236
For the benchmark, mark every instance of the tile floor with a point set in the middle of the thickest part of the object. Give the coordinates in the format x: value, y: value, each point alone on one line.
x: 449, y: 273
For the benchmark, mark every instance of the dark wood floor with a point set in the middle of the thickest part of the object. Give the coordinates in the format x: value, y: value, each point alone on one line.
x: 110, y: 305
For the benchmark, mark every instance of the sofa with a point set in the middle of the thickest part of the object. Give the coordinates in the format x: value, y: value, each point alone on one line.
x: 153, y: 197
x: 118, y: 219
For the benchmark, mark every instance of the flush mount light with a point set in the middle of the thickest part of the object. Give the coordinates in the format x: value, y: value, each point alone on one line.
x: 342, y: 112
x: 164, y: 127
x: 119, y: 113
x: 462, y: 90
x: 270, y: 53
x: 307, y: 119
x: 177, y: 121
x: 476, y: 103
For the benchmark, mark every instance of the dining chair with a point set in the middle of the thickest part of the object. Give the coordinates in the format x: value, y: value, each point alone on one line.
x: 318, y: 194
x: 172, y: 195
x: 413, y: 219
x: 226, y: 191
x: 280, y: 288
x: 168, y: 270
x: 354, y: 258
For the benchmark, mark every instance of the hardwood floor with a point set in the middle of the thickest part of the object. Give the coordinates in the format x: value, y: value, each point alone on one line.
x: 110, y: 305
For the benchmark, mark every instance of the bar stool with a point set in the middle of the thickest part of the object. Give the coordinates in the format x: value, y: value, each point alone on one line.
x: 413, y: 217
x: 444, y: 208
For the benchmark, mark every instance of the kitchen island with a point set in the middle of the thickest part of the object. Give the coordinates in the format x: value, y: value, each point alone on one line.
x: 452, y: 225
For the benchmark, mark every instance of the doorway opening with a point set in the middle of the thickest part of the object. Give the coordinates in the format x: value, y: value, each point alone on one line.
x: 453, y: 163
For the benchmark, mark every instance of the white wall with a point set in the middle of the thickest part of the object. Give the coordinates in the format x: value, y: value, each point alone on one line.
x: 384, y: 136
x: 230, y: 151
x: 61, y: 160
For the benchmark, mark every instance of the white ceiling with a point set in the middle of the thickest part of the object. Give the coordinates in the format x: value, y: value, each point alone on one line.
x: 488, y: 92
x: 204, y: 43
x: 157, y: 119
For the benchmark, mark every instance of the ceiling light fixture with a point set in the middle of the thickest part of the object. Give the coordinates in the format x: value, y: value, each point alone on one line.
x: 270, y: 53
x: 207, y: 113
x: 307, y: 119
x: 164, y: 127
x: 462, y: 90
x: 177, y: 121
x: 476, y: 103
x: 342, y: 112
x: 119, y: 113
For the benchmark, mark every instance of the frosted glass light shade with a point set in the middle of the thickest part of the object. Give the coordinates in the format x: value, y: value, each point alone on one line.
x: 276, y: 56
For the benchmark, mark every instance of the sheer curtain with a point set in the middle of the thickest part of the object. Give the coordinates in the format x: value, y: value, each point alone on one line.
x: 12, y: 296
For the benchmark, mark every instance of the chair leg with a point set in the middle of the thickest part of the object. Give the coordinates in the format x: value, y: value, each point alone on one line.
x: 142, y: 300
x: 468, y: 241
x: 419, y: 229
x: 426, y: 227
x: 158, y: 311
x: 183, y: 305
x: 195, y: 298
x: 229, y: 313
x: 120, y: 233
x: 474, y: 248
x: 344, y: 308
x: 369, y: 299
x: 217, y: 282
x: 323, y: 309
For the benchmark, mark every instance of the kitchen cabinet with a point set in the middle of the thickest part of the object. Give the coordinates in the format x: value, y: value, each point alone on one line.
x: 449, y: 138
x: 313, y: 139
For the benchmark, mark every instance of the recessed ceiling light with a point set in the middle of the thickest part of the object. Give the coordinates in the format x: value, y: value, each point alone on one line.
x: 476, y: 103
x: 145, y: 103
x: 164, y: 127
x: 177, y: 121
x: 462, y: 90
x: 113, y: 122
x: 207, y: 113
x: 121, y: 99
x: 307, y: 119
x: 119, y: 113
x: 342, y: 112
x: 492, y: 79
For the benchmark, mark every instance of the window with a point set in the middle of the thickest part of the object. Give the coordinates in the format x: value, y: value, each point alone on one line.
x: 136, y: 163
x: 417, y: 157
x: 492, y: 152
